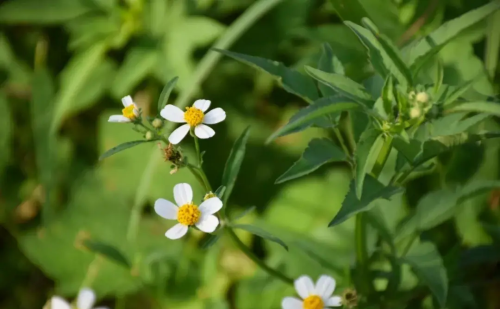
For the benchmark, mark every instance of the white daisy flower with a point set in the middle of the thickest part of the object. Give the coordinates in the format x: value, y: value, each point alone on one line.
x: 129, y: 113
x: 85, y: 300
x: 187, y: 213
x: 194, y: 117
x: 317, y: 296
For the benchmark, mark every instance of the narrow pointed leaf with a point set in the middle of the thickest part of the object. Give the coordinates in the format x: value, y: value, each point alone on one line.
x: 330, y: 64
x: 108, y: 251
x: 492, y: 108
x: 388, y: 95
x: 210, y: 240
x: 41, y: 12
x: 261, y: 233
x: 454, y: 93
x: 367, y: 150
x: 439, y: 76
x: 165, y: 93
x: 122, y: 147
x: 349, y: 9
x: 244, y: 213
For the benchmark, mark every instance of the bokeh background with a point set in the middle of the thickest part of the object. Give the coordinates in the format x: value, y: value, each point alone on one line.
x: 65, y: 65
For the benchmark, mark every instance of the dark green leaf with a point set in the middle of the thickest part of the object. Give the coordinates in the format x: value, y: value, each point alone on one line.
x: 292, y: 81
x: 349, y: 9
x: 107, y: 251
x: 388, y: 95
x: 122, y: 147
x: 480, y: 255
x: 165, y: 93
x: 493, y: 231
x: 372, y: 190
x: 331, y: 64
x: 428, y: 266
x: 41, y: 11
x: 233, y: 164
x: 367, y: 150
x: 261, y: 233
x: 244, y: 213
x: 375, y: 218
x: 317, y: 153
x: 220, y: 191
x: 210, y: 240
x: 491, y: 108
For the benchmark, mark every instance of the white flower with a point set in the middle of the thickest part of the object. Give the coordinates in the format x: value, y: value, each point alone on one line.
x: 187, y: 213
x: 317, y: 296
x: 85, y: 300
x: 194, y: 117
x: 129, y: 113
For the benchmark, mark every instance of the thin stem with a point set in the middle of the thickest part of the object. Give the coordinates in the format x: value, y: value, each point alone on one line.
x: 342, y: 142
x: 409, y: 244
x: 197, y: 146
x: 271, y: 271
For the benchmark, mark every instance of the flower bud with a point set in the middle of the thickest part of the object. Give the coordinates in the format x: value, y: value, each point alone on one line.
x: 149, y: 135
x: 209, y: 195
x: 157, y: 123
x: 411, y: 95
x: 422, y: 97
x: 415, y: 112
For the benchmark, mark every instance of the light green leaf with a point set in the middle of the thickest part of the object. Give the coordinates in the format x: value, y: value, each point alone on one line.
x: 428, y: 266
x: 108, y: 251
x: 454, y: 123
x: 331, y: 64
x: 18, y: 72
x: 453, y: 93
x: 165, y: 93
x: 420, y: 51
x: 210, y: 240
x: 492, y: 45
x: 155, y: 12
x: 87, y: 31
x: 5, y: 132
x: 491, y: 108
x: 369, y: 145
x: 261, y: 233
x: 244, y: 213
x: 439, y: 76
x: 233, y: 164
x: 477, y: 187
x: 41, y: 11
x: 122, y: 147
x: 372, y: 190
x: 291, y: 80
x: 317, y: 153
x: 316, y: 110
x: 139, y: 62
x: 388, y: 95
x: 342, y: 85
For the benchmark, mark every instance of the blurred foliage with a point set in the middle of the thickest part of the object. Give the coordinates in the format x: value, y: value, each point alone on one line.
x: 65, y: 64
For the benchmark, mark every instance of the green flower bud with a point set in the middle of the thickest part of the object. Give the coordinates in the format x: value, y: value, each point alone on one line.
x: 157, y: 123
x: 422, y: 97
x: 149, y: 135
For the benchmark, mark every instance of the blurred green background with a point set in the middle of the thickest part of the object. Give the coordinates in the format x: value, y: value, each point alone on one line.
x: 65, y: 65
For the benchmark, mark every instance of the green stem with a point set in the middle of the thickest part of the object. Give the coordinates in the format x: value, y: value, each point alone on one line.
x: 198, y: 153
x: 409, y: 244
x: 271, y: 271
x: 383, y: 156
x: 342, y: 142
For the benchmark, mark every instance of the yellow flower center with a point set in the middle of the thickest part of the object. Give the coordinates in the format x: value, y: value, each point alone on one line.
x: 193, y: 116
x: 188, y: 214
x: 129, y: 112
x: 313, y: 302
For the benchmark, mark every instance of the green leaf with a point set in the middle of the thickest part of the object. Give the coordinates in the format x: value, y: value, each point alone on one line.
x: 420, y: 51
x: 122, y: 147
x: 41, y: 11
x: 331, y: 64
x: 367, y: 150
x: 453, y: 93
x: 342, y: 85
x: 244, y: 213
x: 388, y: 95
x: 477, y: 187
x: 220, y: 191
x: 317, y: 153
x: 491, y: 108
x: 349, y: 9
x: 316, y: 110
x: 291, y: 80
x: 210, y: 240
x: 454, y: 124
x: 372, y: 190
x: 139, y: 62
x: 5, y: 132
x: 492, y: 44
x: 261, y: 233
x: 428, y: 266
x: 233, y: 164
x: 107, y: 251
x: 322, y: 259
x: 165, y: 93
x: 439, y: 76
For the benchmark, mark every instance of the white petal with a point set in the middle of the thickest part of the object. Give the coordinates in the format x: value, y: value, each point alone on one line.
x: 177, y: 231
x: 203, y: 131
x: 334, y: 301
x: 167, y: 209
x: 173, y: 113
x: 214, y: 116
x: 179, y: 133
x: 118, y: 118
x: 304, y: 286
x: 210, y: 206
x: 183, y: 194
x: 207, y: 224
x: 126, y: 101
x: 202, y: 105
x: 291, y: 303
x: 325, y: 286
x: 57, y: 302
x: 86, y: 299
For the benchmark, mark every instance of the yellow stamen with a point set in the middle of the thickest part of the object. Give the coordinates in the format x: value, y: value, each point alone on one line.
x: 188, y: 214
x: 129, y: 112
x: 193, y: 116
x: 313, y: 302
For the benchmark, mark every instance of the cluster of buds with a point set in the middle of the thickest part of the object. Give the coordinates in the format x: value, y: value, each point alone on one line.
x: 419, y: 103
x: 173, y: 155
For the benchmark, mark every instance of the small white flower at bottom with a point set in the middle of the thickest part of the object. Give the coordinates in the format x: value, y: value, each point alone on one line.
x: 313, y: 296
x: 85, y: 300
x: 129, y: 113
x: 187, y: 213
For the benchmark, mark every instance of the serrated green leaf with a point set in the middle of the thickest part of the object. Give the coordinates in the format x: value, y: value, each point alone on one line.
x: 318, y: 109
x: 454, y: 123
x: 428, y: 266
x: 261, y: 233
x: 420, y: 51
x: 372, y: 190
x: 41, y: 12
x: 233, y: 164
x: 291, y: 80
x: 330, y: 64
x: 342, y: 85
x: 491, y: 108
x: 108, y: 251
x: 165, y: 93
x: 122, y: 147
x: 317, y: 153
x: 369, y: 145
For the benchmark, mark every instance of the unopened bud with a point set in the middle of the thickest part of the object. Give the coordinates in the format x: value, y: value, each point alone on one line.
x: 411, y: 95
x: 386, y: 126
x: 415, y: 112
x: 422, y: 97
x: 209, y: 195
x: 149, y: 135
x: 157, y: 123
